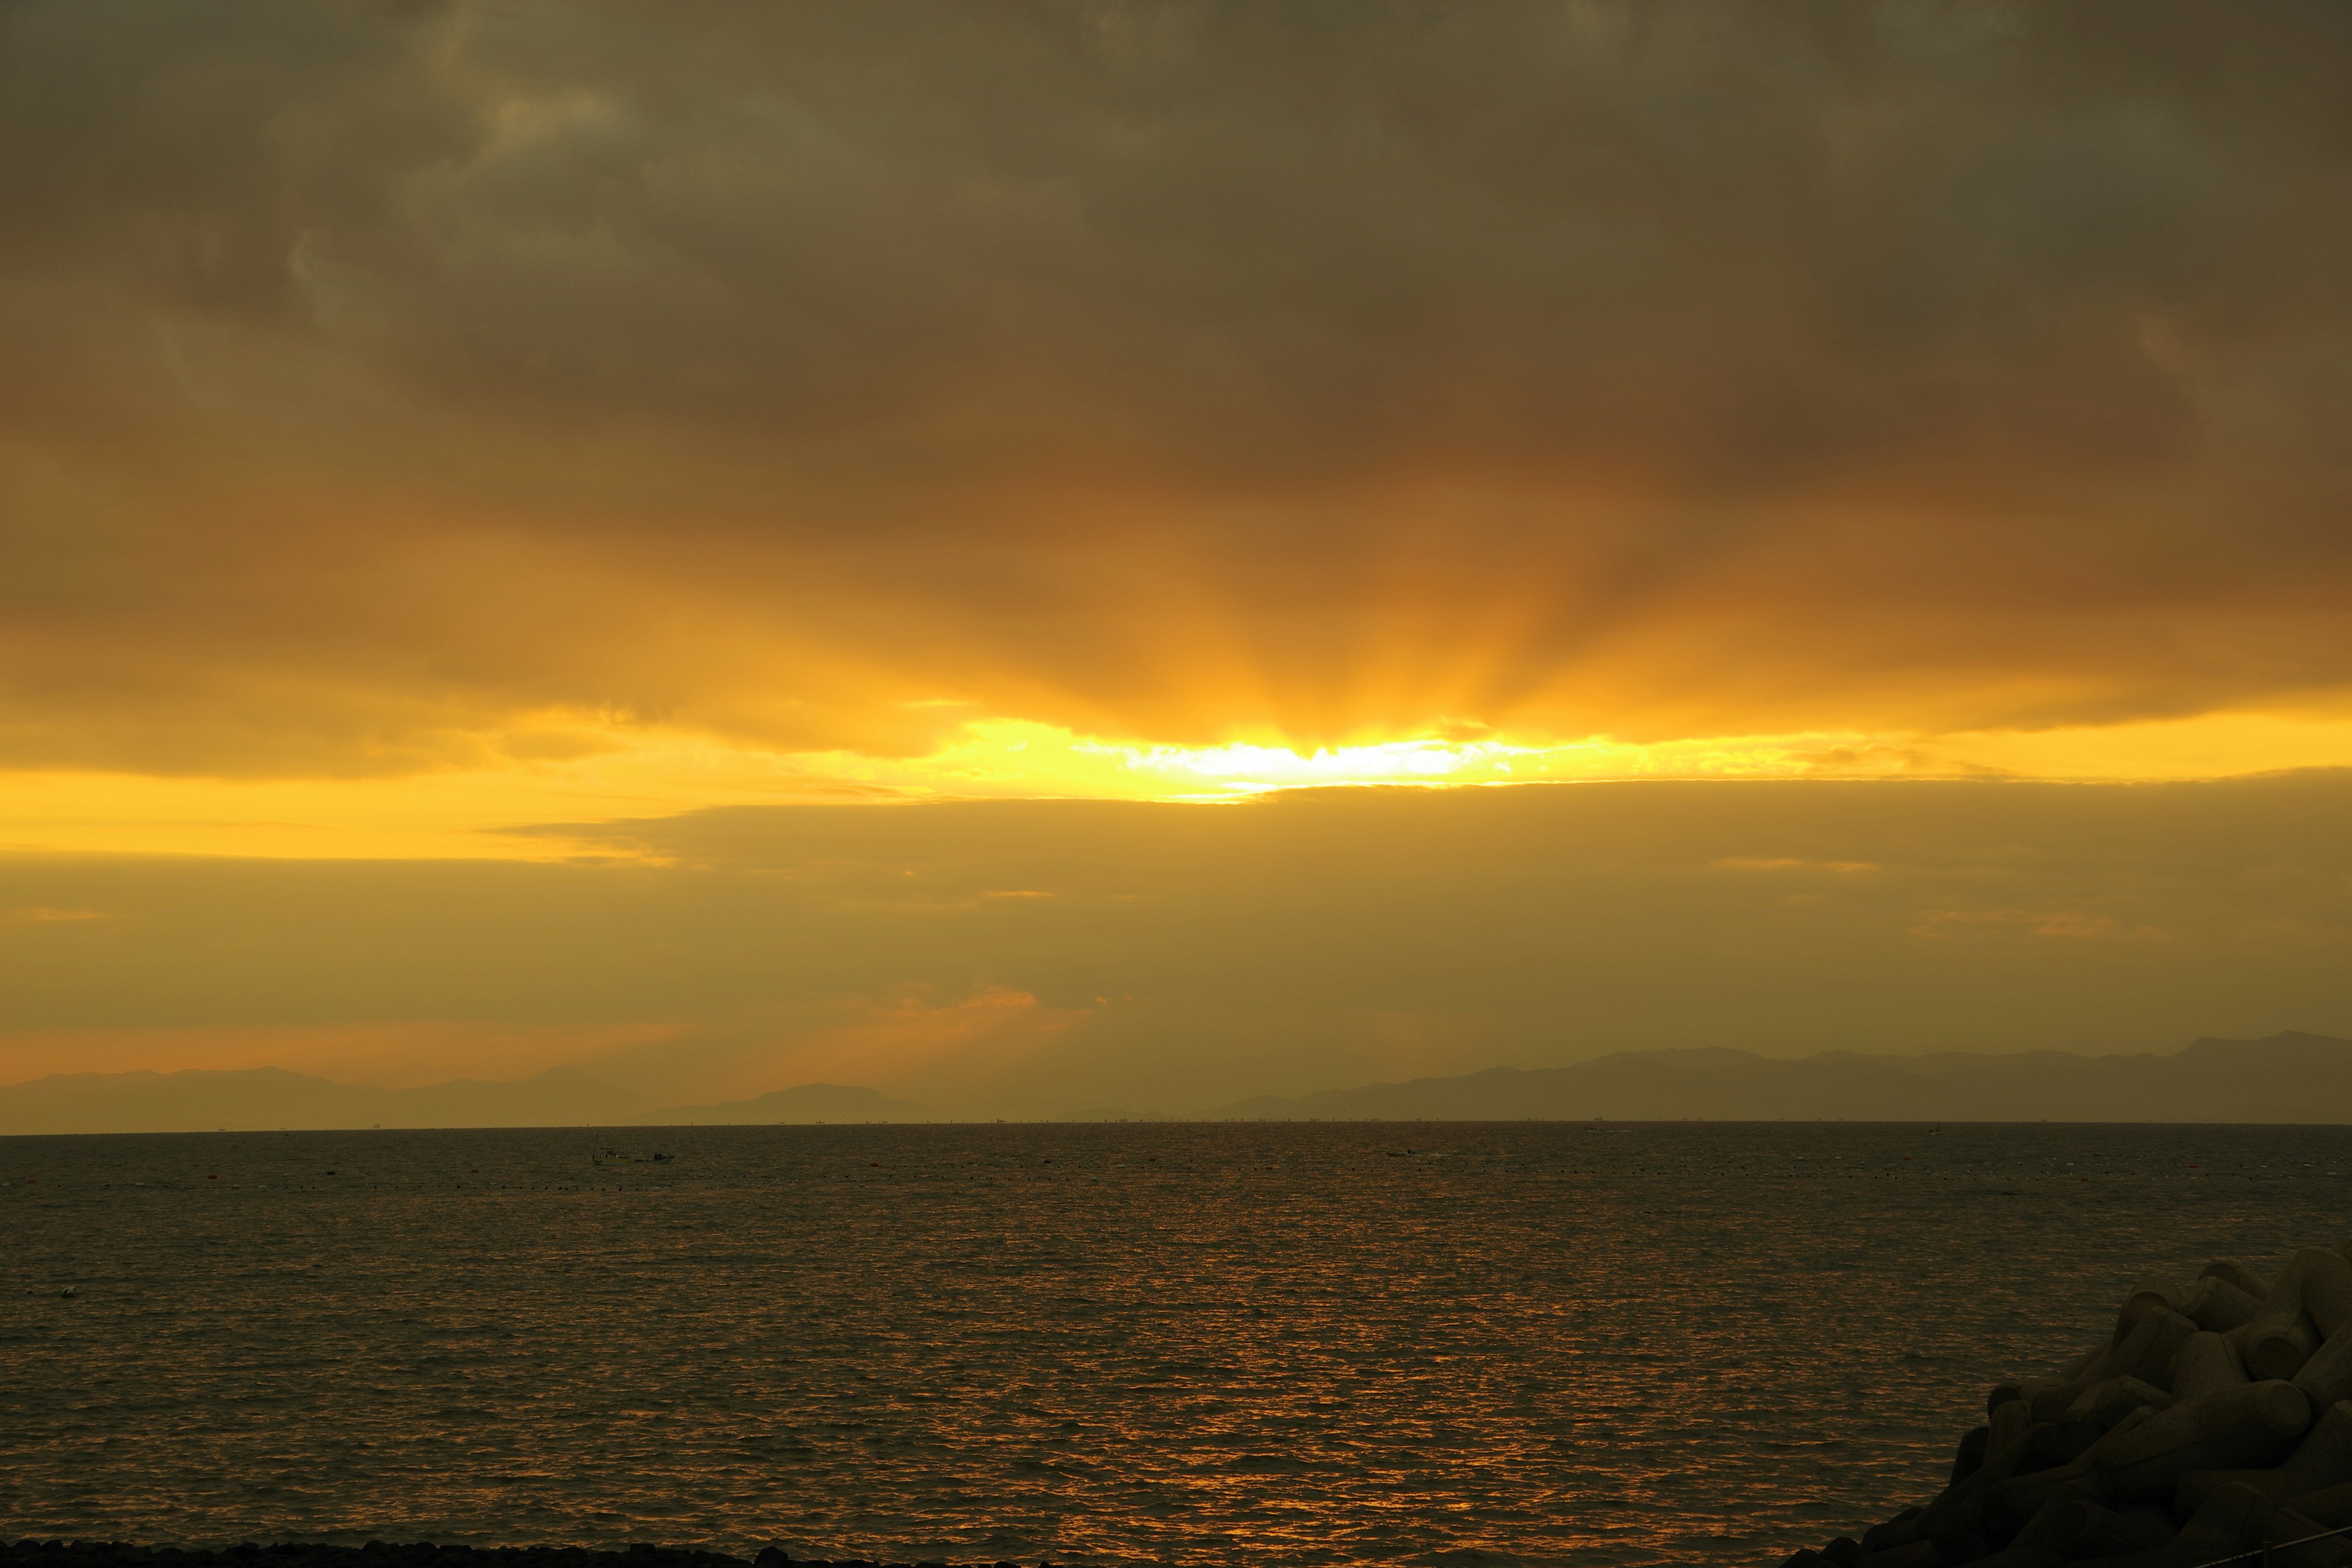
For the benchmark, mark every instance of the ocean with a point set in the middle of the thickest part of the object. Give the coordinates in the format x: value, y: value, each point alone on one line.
x: 1397, y: 1342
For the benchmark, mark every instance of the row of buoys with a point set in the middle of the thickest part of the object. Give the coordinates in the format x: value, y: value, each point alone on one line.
x: 2216, y: 1420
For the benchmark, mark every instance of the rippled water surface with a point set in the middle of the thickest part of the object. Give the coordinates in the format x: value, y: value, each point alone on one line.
x: 1399, y: 1343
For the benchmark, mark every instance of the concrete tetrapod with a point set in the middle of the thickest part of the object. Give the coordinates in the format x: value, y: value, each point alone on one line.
x: 2215, y: 1303
x: 2322, y: 1461
x: 2279, y: 1339
x: 2207, y: 1363
x: 2144, y: 1356
x: 2329, y: 1505
x: 2143, y: 1298
x: 2327, y: 1293
x: 2239, y: 1519
x: 2257, y: 1286
x: 2236, y: 1429
x: 2213, y: 1418
x: 2327, y: 1377
x: 2109, y: 1402
x: 2072, y: 1530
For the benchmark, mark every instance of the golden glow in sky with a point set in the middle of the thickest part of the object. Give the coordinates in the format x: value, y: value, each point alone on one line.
x: 640, y: 773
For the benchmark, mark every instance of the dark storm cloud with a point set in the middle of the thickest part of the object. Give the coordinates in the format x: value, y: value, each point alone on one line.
x: 380, y: 371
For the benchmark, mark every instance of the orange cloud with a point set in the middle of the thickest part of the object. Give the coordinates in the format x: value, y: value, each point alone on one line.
x: 2075, y: 924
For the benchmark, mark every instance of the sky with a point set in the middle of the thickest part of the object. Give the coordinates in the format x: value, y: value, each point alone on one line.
x: 1053, y: 553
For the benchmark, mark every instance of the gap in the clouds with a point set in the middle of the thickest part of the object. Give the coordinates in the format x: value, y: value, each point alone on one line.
x: 588, y: 768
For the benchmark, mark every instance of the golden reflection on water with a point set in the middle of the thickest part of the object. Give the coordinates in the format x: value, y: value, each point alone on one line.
x: 1430, y: 1344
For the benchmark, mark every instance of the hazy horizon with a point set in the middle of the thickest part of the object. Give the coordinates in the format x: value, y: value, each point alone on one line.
x: 1062, y: 954
x: 2294, y: 1076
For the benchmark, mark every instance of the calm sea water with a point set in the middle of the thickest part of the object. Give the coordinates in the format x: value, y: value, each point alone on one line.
x: 1398, y: 1343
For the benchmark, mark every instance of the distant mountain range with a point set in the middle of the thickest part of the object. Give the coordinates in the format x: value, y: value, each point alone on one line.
x: 811, y: 1102
x: 2287, y: 1077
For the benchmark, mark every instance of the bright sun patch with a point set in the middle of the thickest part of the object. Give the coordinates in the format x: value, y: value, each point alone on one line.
x: 1251, y: 770
x: 604, y: 771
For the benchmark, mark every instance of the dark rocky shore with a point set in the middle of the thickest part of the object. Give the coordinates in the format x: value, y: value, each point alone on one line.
x: 2214, y: 1425
x: 418, y: 1555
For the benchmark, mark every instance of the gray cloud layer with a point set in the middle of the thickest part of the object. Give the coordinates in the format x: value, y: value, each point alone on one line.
x: 377, y: 372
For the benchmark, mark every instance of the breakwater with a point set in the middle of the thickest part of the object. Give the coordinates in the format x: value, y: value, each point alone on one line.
x: 2214, y: 1420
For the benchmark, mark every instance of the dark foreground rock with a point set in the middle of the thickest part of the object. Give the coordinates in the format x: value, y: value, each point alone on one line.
x: 2214, y: 1425
x: 31, y: 1553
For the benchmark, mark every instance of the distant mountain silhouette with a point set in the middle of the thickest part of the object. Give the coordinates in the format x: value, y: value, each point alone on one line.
x: 810, y: 1102
x: 2285, y: 1077
x: 265, y: 1099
